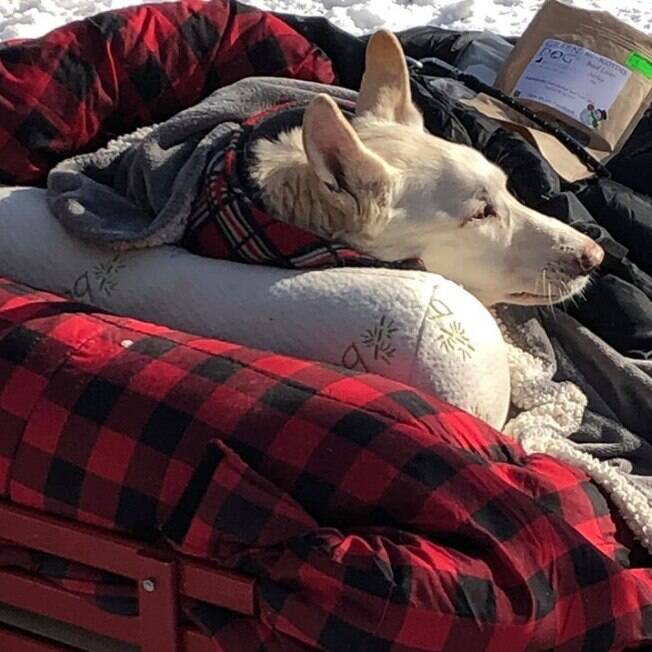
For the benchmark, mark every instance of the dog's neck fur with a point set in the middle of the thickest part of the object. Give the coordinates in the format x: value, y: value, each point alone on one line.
x: 293, y: 193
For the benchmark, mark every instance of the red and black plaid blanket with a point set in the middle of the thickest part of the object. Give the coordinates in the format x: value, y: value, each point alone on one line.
x: 77, y: 87
x: 374, y: 517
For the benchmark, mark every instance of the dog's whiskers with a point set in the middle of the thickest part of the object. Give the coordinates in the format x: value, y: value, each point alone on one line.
x: 547, y: 287
x: 550, y: 288
x: 541, y: 277
x: 573, y: 297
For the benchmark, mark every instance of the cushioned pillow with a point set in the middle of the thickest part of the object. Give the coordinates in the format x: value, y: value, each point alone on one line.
x: 406, y: 325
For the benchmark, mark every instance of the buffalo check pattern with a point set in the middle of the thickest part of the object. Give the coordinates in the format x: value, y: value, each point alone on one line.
x: 81, y: 85
x: 372, y: 515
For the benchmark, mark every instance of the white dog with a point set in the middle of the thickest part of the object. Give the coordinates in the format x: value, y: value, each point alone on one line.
x: 386, y: 187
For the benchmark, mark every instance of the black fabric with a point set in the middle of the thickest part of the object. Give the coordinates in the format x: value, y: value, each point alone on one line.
x: 633, y: 164
x: 616, y: 212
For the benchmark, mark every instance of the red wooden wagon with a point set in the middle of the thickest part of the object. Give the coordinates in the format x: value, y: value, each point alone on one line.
x: 162, y: 576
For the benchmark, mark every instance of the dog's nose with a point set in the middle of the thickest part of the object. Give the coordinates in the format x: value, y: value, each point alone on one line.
x: 591, y: 257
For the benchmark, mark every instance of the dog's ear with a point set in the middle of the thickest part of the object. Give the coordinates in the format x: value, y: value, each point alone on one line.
x: 336, y: 154
x: 385, y: 90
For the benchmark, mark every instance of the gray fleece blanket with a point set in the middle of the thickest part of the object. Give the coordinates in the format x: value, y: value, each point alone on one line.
x: 616, y: 422
x: 573, y: 396
x: 139, y: 191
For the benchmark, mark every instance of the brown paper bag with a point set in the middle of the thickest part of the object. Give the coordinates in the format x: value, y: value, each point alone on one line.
x: 586, y: 71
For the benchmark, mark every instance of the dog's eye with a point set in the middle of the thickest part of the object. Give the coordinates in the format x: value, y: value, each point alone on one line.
x: 486, y: 211
x: 489, y: 210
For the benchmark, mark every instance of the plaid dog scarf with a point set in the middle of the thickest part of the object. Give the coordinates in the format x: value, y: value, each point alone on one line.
x: 229, y: 220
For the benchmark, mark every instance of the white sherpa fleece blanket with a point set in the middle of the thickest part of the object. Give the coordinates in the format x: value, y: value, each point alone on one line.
x: 553, y: 415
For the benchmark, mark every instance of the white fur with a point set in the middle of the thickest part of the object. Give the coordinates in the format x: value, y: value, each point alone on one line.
x: 385, y: 186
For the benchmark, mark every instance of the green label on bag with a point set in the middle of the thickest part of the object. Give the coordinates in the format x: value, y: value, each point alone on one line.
x: 638, y: 62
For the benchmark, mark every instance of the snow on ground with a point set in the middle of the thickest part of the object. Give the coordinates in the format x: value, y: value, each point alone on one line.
x: 31, y: 18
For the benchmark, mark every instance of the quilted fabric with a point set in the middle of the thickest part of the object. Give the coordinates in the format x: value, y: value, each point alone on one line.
x: 370, y: 513
x: 77, y: 87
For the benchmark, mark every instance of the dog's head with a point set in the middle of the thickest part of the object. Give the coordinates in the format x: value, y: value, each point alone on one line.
x: 415, y: 195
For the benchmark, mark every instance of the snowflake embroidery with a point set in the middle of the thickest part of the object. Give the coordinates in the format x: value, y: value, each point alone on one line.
x: 105, y: 274
x: 455, y: 340
x: 380, y: 339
